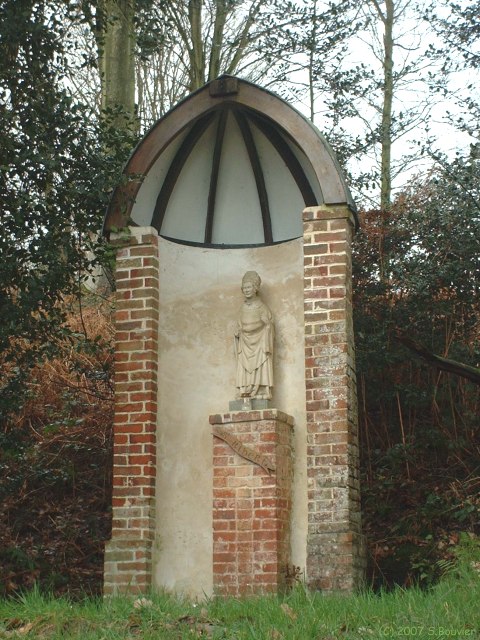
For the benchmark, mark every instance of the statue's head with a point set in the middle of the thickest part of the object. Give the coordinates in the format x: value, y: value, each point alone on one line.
x: 252, y: 277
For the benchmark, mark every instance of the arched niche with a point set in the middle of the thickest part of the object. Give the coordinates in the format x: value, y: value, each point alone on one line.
x: 231, y: 165
x: 231, y: 179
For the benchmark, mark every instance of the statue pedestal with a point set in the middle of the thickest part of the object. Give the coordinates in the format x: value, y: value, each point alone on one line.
x: 252, y: 485
x: 249, y: 404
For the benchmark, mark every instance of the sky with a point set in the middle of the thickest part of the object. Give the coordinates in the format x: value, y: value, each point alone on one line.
x: 432, y: 114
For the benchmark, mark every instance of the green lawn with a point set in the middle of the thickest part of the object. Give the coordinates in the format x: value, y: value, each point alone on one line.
x: 451, y: 609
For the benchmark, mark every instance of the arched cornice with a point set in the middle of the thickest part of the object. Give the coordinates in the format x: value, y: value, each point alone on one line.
x: 277, y: 115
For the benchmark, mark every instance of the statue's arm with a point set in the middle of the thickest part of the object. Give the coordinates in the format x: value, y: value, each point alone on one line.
x: 238, y: 329
x: 266, y: 316
x: 237, y: 338
x: 267, y: 319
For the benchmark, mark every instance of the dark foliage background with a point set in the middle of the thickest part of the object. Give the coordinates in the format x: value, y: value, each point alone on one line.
x: 57, y: 166
x: 417, y: 273
x: 55, y: 466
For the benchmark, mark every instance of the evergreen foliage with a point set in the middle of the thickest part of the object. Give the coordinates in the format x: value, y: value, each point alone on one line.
x: 55, y: 179
x: 417, y: 274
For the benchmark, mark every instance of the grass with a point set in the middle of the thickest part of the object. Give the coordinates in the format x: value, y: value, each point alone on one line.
x: 448, y: 610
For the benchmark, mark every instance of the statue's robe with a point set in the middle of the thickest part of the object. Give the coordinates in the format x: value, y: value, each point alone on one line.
x: 254, y: 351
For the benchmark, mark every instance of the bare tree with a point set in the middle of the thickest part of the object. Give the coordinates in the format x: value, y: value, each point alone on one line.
x: 397, y: 101
x: 198, y: 40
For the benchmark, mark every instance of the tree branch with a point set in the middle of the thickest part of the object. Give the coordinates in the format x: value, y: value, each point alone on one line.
x: 244, y: 36
x: 444, y: 364
x: 217, y: 40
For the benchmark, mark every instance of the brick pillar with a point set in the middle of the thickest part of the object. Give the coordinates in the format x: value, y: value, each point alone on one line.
x: 251, y: 504
x: 128, y: 555
x: 335, y: 550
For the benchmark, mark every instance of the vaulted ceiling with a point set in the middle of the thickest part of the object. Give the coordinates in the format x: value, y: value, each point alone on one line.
x: 231, y: 165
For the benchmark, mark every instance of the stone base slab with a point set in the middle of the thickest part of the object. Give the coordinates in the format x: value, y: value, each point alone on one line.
x: 249, y: 404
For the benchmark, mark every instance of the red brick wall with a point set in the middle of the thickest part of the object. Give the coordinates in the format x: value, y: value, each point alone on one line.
x: 128, y: 555
x: 335, y: 557
x: 251, y: 509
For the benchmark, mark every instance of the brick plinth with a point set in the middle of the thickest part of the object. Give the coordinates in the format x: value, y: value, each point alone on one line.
x: 128, y: 555
x: 335, y: 555
x: 251, y: 505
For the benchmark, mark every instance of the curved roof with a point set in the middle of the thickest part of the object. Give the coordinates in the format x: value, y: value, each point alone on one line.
x: 232, y: 164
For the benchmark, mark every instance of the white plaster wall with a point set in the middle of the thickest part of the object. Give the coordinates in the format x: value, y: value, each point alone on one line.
x: 199, y: 301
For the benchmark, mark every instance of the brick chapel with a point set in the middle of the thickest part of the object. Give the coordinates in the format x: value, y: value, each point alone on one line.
x: 211, y: 497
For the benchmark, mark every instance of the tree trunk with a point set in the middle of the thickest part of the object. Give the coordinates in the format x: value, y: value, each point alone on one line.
x: 116, y: 61
x: 311, y: 61
x: 386, y: 126
x: 217, y: 41
x: 387, y: 17
x: 197, y: 54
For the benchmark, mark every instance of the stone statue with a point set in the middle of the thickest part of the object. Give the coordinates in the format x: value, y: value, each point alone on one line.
x: 254, y: 343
